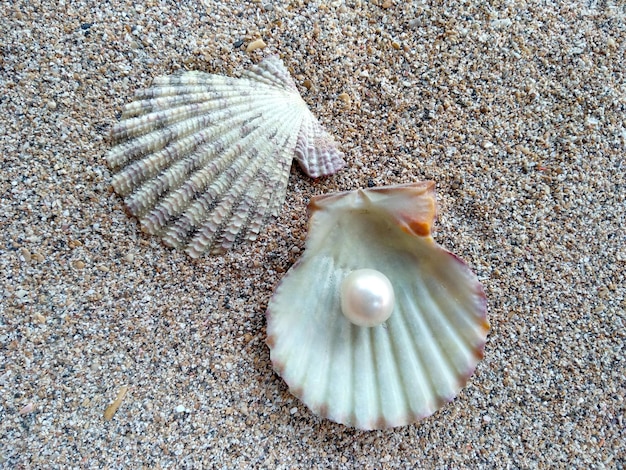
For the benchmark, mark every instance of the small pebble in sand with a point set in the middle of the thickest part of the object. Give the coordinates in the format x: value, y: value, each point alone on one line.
x: 78, y: 264
x: 316, y: 30
x: 257, y: 44
x: 345, y: 98
x: 112, y: 408
x: 21, y: 294
x: 29, y: 408
x: 25, y: 254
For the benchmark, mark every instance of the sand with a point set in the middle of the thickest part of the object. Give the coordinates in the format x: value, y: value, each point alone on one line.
x: 516, y: 110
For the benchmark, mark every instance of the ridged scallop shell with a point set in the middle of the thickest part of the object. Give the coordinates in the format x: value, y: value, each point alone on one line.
x: 420, y: 358
x: 203, y: 160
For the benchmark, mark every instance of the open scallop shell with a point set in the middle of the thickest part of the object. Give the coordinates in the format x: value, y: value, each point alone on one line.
x: 203, y: 160
x: 420, y: 358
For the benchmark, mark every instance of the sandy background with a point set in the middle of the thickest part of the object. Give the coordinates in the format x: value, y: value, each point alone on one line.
x: 516, y: 110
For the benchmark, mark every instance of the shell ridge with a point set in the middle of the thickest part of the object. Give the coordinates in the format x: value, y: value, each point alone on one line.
x: 188, y: 84
x: 203, y: 218
x: 296, y: 365
x: 171, y: 123
x: 366, y: 403
x: 179, y: 199
x: 212, y: 229
x: 178, y: 230
x: 341, y: 372
x: 198, y: 152
x: 273, y: 72
x: 180, y: 99
x: 248, y: 85
x: 353, y: 333
x: 262, y: 204
x: 411, y: 367
x: 191, y: 77
x: 180, y: 196
x: 158, y: 114
x: 263, y: 208
x: 173, y: 153
x: 227, y: 204
x: 203, y: 240
x: 275, y: 330
x: 183, y: 209
x: 160, y: 138
x: 453, y: 346
x: 437, y: 358
x: 421, y: 343
x: 279, y: 191
x: 139, y: 117
x: 316, y: 151
x: 458, y: 319
x: 269, y: 206
x: 264, y: 79
x: 256, y: 219
x: 200, y: 182
x: 216, y: 89
x: 402, y: 353
x: 283, y: 361
x: 234, y: 231
x: 317, y: 376
x: 454, y: 279
x: 390, y: 395
x: 214, y: 232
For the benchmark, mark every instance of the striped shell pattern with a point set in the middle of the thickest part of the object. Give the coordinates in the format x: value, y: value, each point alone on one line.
x: 203, y: 160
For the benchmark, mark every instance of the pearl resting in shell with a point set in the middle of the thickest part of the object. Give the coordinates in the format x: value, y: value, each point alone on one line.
x: 367, y: 297
x: 393, y: 371
x: 203, y: 160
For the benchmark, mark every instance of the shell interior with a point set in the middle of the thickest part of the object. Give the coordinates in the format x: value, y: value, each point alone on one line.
x: 203, y: 160
x: 420, y: 358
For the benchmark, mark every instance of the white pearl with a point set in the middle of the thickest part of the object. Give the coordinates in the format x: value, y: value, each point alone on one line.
x: 367, y: 297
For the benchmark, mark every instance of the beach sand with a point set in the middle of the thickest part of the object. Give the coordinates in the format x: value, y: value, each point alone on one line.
x: 516, y: 111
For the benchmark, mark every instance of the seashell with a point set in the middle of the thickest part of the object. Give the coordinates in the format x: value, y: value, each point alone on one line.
x: 203, y: 160
x: 330, y: 332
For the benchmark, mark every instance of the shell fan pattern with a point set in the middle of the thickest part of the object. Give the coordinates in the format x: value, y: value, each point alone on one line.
x: 403, y: 366
x: 203, y: 160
